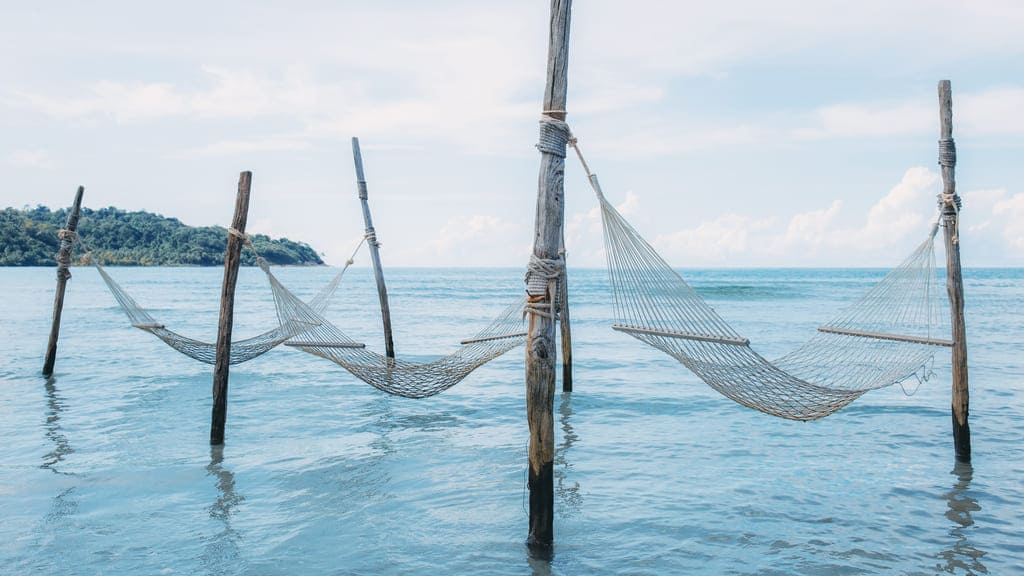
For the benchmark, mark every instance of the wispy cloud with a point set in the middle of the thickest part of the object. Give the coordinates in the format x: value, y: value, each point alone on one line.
x: 35, y: 158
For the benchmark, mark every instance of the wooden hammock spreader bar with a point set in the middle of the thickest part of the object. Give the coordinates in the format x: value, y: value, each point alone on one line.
x: 493, y: 338
x: 148, y: 325
x: 312, y: 344
x: 885, y: 336
x: 683, y: 335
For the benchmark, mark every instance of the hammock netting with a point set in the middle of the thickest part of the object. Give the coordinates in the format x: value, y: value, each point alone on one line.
x: 391, y: 375
x: 241, y: 350
x: 884, y: 338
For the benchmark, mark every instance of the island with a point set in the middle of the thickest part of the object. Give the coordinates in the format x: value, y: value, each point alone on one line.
x: 115, y: 237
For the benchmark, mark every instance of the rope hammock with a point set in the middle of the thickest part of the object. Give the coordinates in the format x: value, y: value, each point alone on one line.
x: 886, y: 337
x: 241, y: 350
x: 394, y: 376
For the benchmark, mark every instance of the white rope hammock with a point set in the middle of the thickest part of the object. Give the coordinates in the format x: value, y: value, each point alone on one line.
x: 886, y: 337
x: 241, y: 350
x: 396, y: 376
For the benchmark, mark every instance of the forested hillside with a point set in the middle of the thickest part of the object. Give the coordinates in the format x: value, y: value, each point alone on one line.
x: 29, y: 238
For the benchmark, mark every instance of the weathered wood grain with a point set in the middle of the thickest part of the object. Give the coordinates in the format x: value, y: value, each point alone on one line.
x: 540, y: 345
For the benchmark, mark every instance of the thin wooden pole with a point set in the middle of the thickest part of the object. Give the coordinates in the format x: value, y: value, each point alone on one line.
x: 67, y: 241
x: 565, y: 325
x: 543, y: 283
x: 232, y: 259
x: 954, y: 279
x: 371, y: 241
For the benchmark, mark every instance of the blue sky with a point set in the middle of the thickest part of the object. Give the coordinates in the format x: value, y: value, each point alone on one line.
x: 736, y: 134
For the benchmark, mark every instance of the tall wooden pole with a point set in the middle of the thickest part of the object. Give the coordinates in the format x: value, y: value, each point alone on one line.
x: 542, y: 284
x: 954, y: 280
x: 67, y: 241
x: 232, y: 259
x: 371, y: 241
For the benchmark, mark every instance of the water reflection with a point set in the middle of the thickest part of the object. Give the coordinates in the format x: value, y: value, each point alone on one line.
x: 221, y: 554
x: 64, y: 504
x: 61, y: 447
x: 963, y: 557
x: 569, y: 497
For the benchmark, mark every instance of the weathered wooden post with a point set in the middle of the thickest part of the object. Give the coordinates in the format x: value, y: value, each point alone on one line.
x: 954, y: 280
x: 542, y: 284
x: 371, y: 241
x: 232, y: 259
x: 564, y: 323
x: 67, y: 242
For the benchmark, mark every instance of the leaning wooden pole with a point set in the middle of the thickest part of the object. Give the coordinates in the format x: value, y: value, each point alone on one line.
x: 542, y: 282
x: 954, y: 279
x: 371, y: 241
x: 232, y: 259
x: 67, y: 242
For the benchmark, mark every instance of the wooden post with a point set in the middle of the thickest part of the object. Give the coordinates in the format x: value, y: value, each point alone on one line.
x: 232, y: 259
x: 371, y: 241
x: 67, y: 241
x: 565, y: 325
x: 543, y: 280
x: 954, y: 280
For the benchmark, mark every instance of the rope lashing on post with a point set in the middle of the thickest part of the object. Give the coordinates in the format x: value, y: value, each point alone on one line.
x: 371, y: 237
x: 67, y: 239
x: 554, y: 135
x: 947, y: 152
x: 241, y: 236
x: 953, y: 202
x: 543, y: 274
x: 542, y: 280
x: 947, y: 159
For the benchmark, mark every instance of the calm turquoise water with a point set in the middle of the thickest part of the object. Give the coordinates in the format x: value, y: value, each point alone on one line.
x: 106, y: 469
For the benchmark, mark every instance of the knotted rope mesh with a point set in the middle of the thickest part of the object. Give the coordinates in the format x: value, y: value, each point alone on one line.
x: 884, y: 338
x: 241, y: 350
x: 396, y: 376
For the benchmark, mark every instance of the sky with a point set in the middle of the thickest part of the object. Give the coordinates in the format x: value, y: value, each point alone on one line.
x: 731, y: 134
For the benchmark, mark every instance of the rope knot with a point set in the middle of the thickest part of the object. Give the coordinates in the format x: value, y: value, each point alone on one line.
x: 950, y: 205
x: 542, y: 275
x: 241, y: 236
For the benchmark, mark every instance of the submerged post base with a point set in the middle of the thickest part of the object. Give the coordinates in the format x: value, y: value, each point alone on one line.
x: 962, y: 440
x: 542, y: 505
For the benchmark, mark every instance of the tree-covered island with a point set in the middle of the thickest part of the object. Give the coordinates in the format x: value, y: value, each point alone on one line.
x: 28, y: 237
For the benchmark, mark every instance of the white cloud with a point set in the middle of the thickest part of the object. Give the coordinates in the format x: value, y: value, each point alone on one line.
x: 868, y: 121
x: 31, y: 158
x: 816, y: 237
x: 241, y: 147
x: 996, y: 111
x: 990, y: 112
x: 1011, y: 211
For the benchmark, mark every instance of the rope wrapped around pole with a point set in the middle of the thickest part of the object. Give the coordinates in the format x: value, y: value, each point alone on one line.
x: 540, y: 273
x: 554, y: 136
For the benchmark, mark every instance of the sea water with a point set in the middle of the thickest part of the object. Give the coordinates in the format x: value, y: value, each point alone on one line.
x: 106, y: 467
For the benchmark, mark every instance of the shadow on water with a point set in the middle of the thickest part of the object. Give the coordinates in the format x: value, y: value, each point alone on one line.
x: 221, y: 553
x: 963, y: 557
